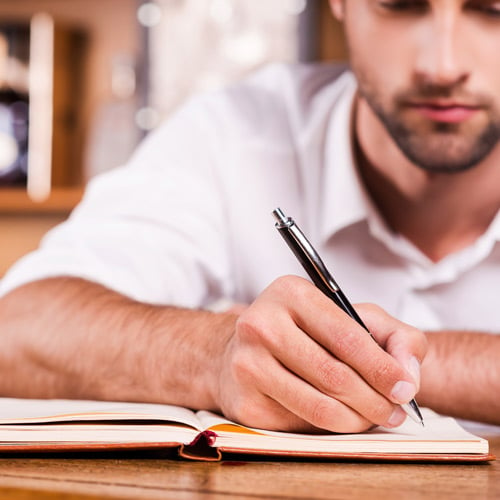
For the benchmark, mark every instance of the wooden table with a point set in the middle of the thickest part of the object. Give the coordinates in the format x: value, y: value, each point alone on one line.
x: 155, y: 478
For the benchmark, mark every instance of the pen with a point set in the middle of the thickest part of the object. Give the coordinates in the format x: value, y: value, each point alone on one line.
x: 321, y: 277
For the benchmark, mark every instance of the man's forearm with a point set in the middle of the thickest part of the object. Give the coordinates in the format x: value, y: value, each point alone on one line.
x: 67, y: 337
x: 461, y: 375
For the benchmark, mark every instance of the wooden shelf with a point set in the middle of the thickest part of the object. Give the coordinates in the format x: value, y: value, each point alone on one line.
x: 60, y: 201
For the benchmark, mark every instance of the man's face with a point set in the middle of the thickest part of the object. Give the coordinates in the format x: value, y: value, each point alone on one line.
x: 430, y: 71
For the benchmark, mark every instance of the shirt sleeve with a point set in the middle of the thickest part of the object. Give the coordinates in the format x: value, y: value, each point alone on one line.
x: 153, y: 229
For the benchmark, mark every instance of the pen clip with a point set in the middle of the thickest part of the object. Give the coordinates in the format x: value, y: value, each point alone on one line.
x: 306, y: 253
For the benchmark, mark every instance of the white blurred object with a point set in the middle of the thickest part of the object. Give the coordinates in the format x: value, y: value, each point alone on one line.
x: 246, y: 50
x: 8, y: 150
x: 296, y: 7
x: 204, y: 45
x: 123, y: 78
x: 149, y: 14
x: 147, y: 118
x: 41, y: 87
x: 221, y: 11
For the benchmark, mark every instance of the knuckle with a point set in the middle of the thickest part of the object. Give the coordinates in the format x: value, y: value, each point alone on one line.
x: 254, y: 328
x: 245, y: 324
x: 293, y: 289
x: 384, y: 374
x: 242, y: 369
x: 250, y: 327
x: 348, y: 344
x: 333, y: 376
x: 320, y: 413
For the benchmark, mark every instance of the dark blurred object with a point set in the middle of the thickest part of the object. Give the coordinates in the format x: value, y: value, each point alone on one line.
x: 41, y: 79
x: 14, y: 112
x: 308, y: 33
x: 320, y: 35
x: 14, y: 103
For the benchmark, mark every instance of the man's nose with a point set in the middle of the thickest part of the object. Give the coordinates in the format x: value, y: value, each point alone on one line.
x: 440, y: 60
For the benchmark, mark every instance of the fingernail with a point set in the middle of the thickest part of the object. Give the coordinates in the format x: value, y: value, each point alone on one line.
x: 397, y: 418
x: 414, y: 369
x: 402, y: 392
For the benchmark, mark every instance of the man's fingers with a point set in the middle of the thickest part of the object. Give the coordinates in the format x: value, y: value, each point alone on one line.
x: 405, y: 343
x: 315, y: 407
x: 297, y: 353
x: 332, y: 394
x: 350, y: 343
x: 272, y: 397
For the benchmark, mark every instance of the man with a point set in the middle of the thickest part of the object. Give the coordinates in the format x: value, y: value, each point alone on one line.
x: 394, y: 178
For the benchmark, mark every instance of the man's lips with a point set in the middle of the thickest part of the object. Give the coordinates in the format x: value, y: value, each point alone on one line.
x: 445, y: 112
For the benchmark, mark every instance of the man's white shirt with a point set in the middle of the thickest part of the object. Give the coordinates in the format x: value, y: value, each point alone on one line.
x: 188, y: 222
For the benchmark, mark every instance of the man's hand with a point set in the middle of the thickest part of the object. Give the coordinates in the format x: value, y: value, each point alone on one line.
x: 298, y: 362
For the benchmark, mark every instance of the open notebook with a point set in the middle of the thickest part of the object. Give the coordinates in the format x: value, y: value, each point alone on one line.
x: 58, y: 425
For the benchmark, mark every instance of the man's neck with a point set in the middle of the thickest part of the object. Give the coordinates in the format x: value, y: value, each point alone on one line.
x: 439, y: 213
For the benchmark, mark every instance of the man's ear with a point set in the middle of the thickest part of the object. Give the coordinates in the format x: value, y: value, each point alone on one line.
x: 337, y: 7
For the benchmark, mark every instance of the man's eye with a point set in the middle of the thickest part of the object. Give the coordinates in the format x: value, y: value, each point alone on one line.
x: 403, y: 5
x: 486, y: 7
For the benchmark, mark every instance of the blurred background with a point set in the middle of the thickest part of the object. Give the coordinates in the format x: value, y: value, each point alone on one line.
x: 83, y: 81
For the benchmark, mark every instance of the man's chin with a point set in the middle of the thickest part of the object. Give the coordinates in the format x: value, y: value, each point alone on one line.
x: 442, y: 155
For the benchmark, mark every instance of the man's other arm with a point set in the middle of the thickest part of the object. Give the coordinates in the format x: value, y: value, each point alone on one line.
x: 461, y: 375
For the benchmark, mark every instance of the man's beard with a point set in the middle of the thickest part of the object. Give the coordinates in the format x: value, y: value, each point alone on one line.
x: 442, y: 147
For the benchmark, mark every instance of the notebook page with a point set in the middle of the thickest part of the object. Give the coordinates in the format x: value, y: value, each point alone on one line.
x: 61, y: 410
